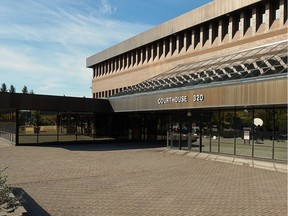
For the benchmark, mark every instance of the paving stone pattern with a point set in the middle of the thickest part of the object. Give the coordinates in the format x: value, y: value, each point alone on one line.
x: 98, y: 180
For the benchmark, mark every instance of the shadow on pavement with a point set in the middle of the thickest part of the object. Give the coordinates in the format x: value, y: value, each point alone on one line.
x: 100, y: 146
x: 30, y: 205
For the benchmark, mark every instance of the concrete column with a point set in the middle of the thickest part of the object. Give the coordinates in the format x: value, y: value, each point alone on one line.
x: 281, y: 12
x: 158, y: 51
x: 136, y: 57
x: 201, y: 36
x: 267, y: 17
x: 147, y: 56
x: 241, y: 24
x: 152, y: 53
x: 95, y: 72
x: 220, y: 26
x: 254, y: 23
x: 178, y: 44
x: 193, y: 40
x: 210, y: 38
x: 141, y: 56
x: 230, y: 28
x: 185, y: 42
x: 118, y: 65
x: 108, y: 67
x: 114, y: 65
x: 105, y: 68
x: 123, y: 62
x: 127, y: 61
x: 164, y: 49
x: 132, y: 59
x: 101, y: 71
x: 111, y: 65
x: 102, y: 68
x: 170, y: 47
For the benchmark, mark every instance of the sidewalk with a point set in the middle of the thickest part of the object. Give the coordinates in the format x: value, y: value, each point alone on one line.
x: 232, y: 159
x: 5, y: 143
x: 115, y: 179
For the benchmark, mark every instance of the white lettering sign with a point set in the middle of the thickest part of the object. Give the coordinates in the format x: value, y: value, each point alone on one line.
x: 198, y: 97
x: 177, y: 99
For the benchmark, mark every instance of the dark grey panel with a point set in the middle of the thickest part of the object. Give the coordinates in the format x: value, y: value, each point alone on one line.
x: 53, y: 103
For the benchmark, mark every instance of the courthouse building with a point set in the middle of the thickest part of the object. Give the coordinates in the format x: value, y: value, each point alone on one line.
x: 215, y: 78
x: 211, y: 80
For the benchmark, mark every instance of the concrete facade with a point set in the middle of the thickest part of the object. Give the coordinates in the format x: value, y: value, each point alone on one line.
x: 217, y: 28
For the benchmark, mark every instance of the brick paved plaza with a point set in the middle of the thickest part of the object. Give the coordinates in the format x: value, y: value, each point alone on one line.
x: 117, y: 179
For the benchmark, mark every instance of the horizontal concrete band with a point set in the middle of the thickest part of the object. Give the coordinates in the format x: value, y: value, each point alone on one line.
x: 268, y: 92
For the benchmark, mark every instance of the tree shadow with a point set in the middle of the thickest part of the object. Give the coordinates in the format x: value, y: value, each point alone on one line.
x: 31, y: 206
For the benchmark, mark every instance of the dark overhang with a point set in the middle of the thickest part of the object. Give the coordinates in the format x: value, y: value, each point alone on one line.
x: 53, y: 103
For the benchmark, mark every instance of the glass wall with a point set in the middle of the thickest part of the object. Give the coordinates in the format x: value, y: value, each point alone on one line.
x: 259, y: 133
x: 85, y: 127
x: 227, y: 132
x: 280, y: 137
x: 50, y: 127
x: 28, y: 133
x: 206, y: 136
x: 67, y: 127
x: 47, y: 127
x: 8, y: 125
x: 263, y: 133
x: 37, y: 127
x: 243, y: 125
x: 215, y: 130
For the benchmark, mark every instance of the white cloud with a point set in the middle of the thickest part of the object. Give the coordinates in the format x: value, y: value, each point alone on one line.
x: 18, y: 61
x: 45, y: 45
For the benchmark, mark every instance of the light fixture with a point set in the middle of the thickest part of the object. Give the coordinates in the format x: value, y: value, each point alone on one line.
x: 189, y: 114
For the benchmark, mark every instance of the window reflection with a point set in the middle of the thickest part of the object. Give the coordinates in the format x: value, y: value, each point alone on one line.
x: 280, y: 143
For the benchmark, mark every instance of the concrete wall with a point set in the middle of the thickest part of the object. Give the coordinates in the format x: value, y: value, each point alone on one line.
x: 224, y: 27
x: 202, y: 14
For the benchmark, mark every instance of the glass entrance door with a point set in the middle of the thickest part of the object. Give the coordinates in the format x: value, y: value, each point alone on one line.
x: 190, y: 131
x: 184, y: 135
x: 177, y: 136
x: 198, y: 136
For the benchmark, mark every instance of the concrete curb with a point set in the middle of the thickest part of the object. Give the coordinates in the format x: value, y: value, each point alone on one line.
x: 267, y: 165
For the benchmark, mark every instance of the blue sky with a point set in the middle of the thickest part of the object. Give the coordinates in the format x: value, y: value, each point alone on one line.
x: 44, y: 43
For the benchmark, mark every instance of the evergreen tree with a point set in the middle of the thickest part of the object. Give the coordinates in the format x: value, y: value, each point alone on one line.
x: 12, y: 89
x: 8, y: 203
x: 31, y: 91
x: 3, y: 88
x: 25, y: 90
